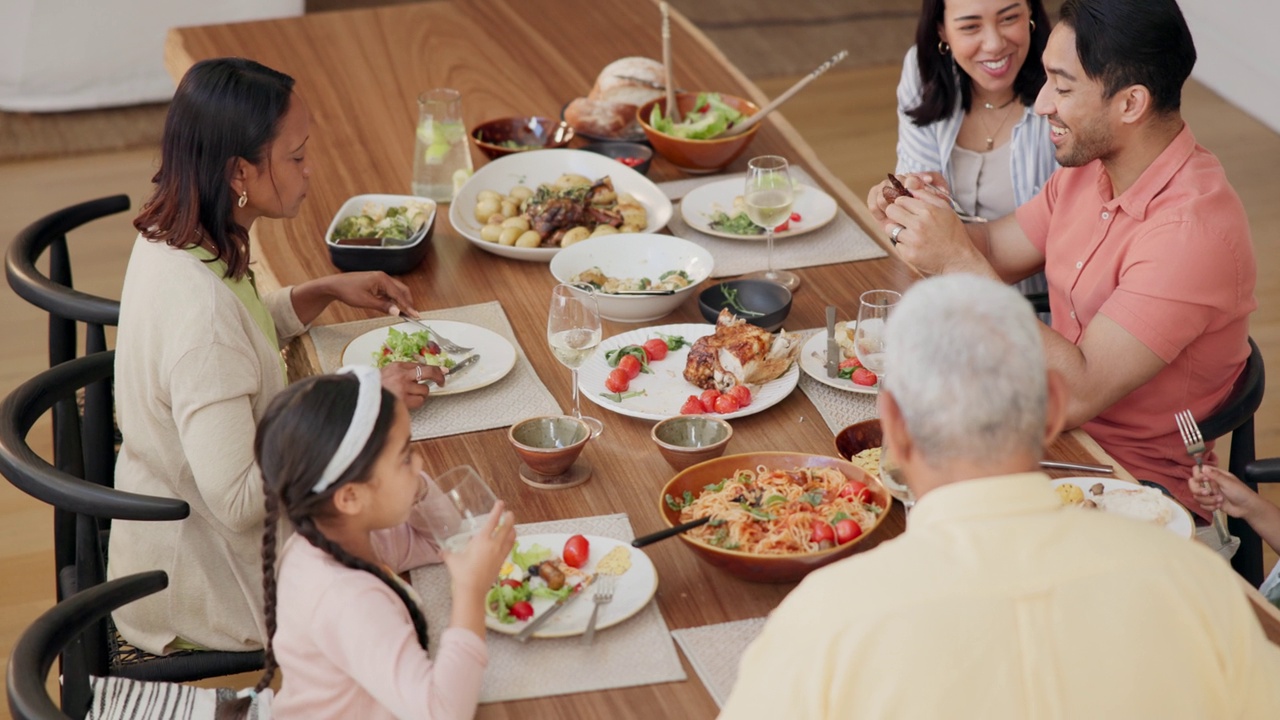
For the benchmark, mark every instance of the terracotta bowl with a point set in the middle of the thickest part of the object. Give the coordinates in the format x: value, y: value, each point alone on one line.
x: 697, y: 156
x: 505, y: 136
x: 766, y: 568
x: 549, y: 444
x: 686, y: 440
x: 858, y: 437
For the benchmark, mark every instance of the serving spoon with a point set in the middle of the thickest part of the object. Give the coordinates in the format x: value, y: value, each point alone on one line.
x: 751, y: 121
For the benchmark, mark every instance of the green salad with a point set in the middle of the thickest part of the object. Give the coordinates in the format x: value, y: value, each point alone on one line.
x: 397, y: 224
x: 711, y: 117
x: 415, y: 347
x: 738, y: 224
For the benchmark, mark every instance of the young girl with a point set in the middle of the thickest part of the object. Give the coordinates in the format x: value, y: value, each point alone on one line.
x: 1217, y: 489
x: 347, y: 632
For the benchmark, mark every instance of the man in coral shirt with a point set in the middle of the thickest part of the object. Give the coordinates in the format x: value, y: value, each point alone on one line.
x: 1146, y: 246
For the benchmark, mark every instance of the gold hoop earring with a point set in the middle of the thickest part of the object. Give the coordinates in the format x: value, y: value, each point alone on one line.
x: 1033, y: 26
x: 244, y: 198
x: 943, y: 48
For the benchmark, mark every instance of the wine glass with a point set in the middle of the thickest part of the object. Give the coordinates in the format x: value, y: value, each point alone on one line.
x: 573, y: 331
x: 456, y: 504
x: 768, y: 198
x: 893, y: 479
x: 868, y: 338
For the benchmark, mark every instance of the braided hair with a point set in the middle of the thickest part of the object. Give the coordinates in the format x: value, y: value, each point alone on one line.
x: 310, y: 414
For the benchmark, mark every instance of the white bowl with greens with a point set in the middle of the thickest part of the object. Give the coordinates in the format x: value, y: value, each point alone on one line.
x: 635, y: 263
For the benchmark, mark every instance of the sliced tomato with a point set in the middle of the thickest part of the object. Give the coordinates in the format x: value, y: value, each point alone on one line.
x: 692, y: 406
x: 708, y: 398
x: 795, y: 217
x: 863, y: 376
x: 847, y: 530
x: 742, y: 394
x: 847, y: 363
x: 656, y: 348
x: 522, y: 610
x: 785, y: 226
x: 726, y: 404
x: 512, y: 583
x: 822, y: 531
x: 629, y: 364
x: 576, y: 551
x: 856, y: 490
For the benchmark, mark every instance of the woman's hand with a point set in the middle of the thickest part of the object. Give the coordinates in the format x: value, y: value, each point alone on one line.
x: 370, y: 290
x: 403, y: 379
x: 1217, y: 489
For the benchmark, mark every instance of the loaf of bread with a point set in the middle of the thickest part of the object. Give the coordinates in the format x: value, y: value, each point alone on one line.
x: 599, y: 118
x: 609, y: 110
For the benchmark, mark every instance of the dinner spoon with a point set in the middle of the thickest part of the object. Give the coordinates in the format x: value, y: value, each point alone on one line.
x: 669, y: 532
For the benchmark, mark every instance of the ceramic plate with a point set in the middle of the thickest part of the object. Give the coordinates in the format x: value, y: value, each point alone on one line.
x: 497, y: 356
x: 813, y: 361
x: 815, y: 207
x: 1179, y: 524
x: 634, y: 589
x: 666, y: 389
x: 535, y: 167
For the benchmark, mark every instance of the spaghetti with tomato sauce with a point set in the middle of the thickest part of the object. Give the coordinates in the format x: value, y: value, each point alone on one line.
x: 782, y: 512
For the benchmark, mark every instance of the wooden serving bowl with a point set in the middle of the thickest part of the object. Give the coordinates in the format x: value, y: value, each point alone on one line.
x: 496, y: 138
x: 697, y: 156
x: 858, y: 437
x: 767, y: 568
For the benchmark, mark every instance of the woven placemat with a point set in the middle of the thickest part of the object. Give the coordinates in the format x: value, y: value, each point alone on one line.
x: 715, y: 651
x: 839, y: 408
x: 841, y: 240
x: 638, y: 651
x: 515, y: 397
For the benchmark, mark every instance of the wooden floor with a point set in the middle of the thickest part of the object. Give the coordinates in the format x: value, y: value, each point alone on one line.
x: 848, y: 116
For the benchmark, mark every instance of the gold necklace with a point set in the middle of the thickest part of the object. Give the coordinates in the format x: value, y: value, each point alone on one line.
x: 991, y: 134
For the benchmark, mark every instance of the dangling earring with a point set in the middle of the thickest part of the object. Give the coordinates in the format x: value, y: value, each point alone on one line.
x: 943, y: 48
x: 1033, y: 26
x: 244, y: 198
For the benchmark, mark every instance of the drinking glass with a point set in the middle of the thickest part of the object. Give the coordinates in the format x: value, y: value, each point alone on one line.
x: 573, y: 331
x: 441, y: 156
x: 457, y: 503
x: 768, y: 198
x: 868, y: 338
x: 893, y: 479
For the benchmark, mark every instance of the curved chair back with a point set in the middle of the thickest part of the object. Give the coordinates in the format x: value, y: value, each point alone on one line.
x: 49, y: 636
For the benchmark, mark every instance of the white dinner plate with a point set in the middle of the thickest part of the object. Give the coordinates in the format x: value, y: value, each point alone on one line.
x: 1180, y: 524
x: 497, y: 356
x: 535, y: 167
x: 666, y: 389
x: 815, y: 207
x: 813, y: 361
x: 634, y: 589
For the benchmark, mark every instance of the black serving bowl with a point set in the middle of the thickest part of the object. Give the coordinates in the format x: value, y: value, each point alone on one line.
x: 361, y: 254
x: 757, y: 296
x: 642, y: 154
x: 504, y: 136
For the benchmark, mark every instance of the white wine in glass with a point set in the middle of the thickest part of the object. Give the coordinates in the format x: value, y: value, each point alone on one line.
x: 768, y: 197
x: 573, y: 332
x: 894, y: 480
x: 868, y: 337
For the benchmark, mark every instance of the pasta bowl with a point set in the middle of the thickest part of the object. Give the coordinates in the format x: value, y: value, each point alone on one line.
x: 756, y: 567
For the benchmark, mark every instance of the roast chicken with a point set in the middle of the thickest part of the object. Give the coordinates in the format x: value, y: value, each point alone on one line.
x: 739, y: 353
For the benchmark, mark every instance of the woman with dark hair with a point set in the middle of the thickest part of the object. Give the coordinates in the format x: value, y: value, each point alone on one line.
x: 198, y: 351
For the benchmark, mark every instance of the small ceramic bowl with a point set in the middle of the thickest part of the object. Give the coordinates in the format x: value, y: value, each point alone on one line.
x: 634, y: 155
x: 686, y: 440
x: 858, y: 437
x: 758, y: 296
x: 505, y: 136
x: 549, y: 444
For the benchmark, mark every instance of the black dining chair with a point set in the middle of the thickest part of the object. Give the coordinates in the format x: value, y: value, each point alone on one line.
x: 90, y: 506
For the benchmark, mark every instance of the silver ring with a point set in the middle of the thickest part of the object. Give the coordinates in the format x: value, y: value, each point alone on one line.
x: 418, y: 372
x: 895, y: 232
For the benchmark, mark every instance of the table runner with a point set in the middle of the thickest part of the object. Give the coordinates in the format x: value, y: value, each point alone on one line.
x: 638, y: 651
x: 715, y: 651
x: 515, y: 397
x: 841, y: 240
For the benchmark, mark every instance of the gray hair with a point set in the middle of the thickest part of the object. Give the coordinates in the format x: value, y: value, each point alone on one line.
x: 965, y: 363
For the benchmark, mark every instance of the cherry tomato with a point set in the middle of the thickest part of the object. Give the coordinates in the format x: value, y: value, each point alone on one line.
x: 726, y: 404
x: 708, y: 398
x: 576, y: 551
x: 656, y: 348
x: 785, y: 226
x: 630, y: 365
x: 512, y: 583
x: 630, y: 161
x: 863, y: 376
x: 692, y: 406
x: 386, y: 350
x: 822, y: 531
x: 849, y: 363
x: 847, y: 530
x: 742, y: 394
x: 617, y: 381
x: 856, y: 490
x: 795, y: 217
x: 522, y: 610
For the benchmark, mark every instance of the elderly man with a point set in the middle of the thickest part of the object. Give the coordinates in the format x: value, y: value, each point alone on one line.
x: 1145, y: 245
x: 997, y: 602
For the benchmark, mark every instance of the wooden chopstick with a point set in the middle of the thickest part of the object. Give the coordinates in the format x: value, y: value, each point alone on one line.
x: 673, y: 112
x: 751, y: 121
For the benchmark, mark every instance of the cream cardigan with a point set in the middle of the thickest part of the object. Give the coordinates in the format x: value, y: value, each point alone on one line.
x: 194, y: 375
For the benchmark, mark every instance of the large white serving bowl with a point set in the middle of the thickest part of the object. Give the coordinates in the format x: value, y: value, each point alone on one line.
x: 627, y: 255
x: 535, y: 167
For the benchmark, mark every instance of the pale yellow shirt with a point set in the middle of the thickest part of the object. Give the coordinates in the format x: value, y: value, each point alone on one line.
x: 996, y: 603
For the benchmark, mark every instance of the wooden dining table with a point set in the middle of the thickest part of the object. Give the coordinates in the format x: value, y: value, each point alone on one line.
x: 359, y: 73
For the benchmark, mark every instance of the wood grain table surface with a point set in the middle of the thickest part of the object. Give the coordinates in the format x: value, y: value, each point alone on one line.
x: 360, y: 73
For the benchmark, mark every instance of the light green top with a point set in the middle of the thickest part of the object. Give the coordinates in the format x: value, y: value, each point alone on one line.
x: 247, y: 292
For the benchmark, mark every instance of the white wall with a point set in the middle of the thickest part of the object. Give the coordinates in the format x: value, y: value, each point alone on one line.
x: 1238, y: 52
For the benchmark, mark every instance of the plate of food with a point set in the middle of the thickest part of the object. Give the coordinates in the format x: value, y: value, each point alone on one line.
x: 853, y: 377
x: 546, y: 568
x: 717, y: 208
x: 1129, y: 499
x: 409, y: 342
x: 691, y: 377
x: 528, y: 205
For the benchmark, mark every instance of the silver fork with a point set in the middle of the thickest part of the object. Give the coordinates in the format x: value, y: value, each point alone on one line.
x: 1194, y: 440
x: 603, y: 596
x: 445, y: 343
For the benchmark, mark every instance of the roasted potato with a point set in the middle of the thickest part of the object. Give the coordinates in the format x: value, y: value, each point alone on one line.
x: 577, y: 234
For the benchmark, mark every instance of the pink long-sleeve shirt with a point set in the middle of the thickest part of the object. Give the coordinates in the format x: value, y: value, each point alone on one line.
x: 347, y: 646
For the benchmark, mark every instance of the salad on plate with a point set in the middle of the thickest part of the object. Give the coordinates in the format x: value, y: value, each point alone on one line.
x: 415, y: 347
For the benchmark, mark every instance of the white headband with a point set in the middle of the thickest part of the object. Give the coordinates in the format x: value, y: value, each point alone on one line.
x: 368, y: 406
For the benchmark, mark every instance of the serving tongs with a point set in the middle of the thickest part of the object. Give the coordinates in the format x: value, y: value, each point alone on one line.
x: 750, y: 122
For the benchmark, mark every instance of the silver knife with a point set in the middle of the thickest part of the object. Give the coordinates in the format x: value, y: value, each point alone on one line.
x: 462, y: 365
x: 1059, y: 465
x: 833, y: 348
x: 542, y: 619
